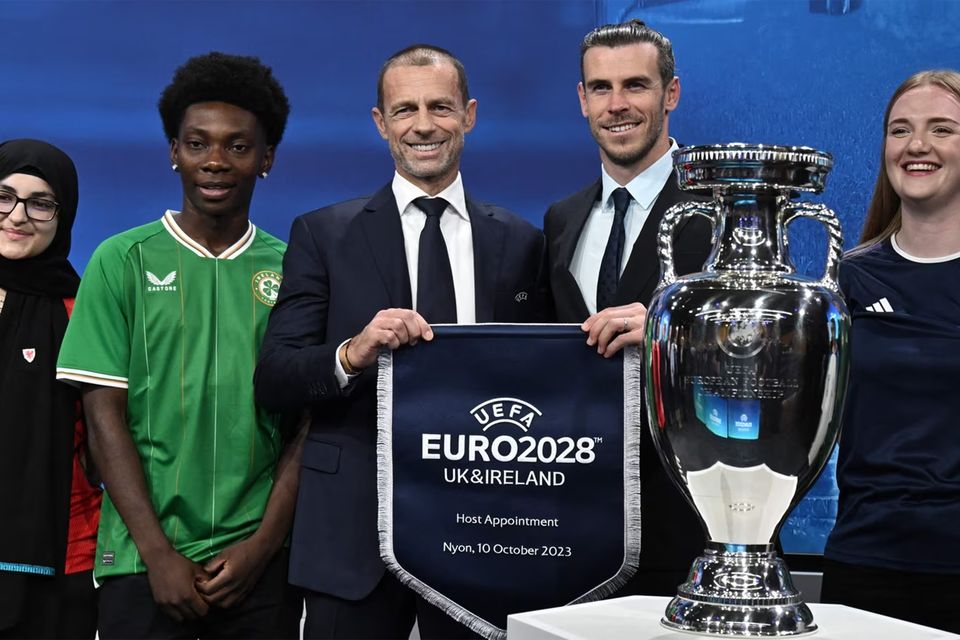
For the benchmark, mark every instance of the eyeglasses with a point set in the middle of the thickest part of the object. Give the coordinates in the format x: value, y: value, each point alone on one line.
x: 39, y: 209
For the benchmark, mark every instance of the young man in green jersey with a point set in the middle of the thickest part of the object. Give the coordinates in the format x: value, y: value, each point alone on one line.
x: 200, y: 481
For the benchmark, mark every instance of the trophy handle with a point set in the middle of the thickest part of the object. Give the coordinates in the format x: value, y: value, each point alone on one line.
x: 673, y: 216
x: 826, y: 216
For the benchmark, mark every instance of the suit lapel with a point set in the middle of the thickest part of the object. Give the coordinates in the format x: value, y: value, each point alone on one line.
x: 488, y: 238
x: 382, y: 228
x: 580, y: 208
x: 643, y: 268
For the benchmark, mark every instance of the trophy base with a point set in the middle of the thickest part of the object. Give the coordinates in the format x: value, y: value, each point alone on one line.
x: 741, y: 591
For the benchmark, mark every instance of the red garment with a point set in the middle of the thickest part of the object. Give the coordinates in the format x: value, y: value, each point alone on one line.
x: 84, y: 500
x: 84, y: 511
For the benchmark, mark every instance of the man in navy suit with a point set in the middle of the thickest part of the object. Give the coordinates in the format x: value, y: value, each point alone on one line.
x: 371, y: 273
x: 602, y: 249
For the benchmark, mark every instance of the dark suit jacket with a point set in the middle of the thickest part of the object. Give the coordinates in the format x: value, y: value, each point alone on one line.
x: 343, y: 264
x: 671, y: 535
x: 564, y: 222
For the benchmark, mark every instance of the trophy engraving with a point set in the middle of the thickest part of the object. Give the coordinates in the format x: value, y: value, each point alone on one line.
x: 746, y: 368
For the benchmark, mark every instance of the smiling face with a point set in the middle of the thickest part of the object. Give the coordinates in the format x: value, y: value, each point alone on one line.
x: 424, y: 121
x: 624, y: 100
x: 220, y: 151
x: 20, y: 236
x: 922, y: 150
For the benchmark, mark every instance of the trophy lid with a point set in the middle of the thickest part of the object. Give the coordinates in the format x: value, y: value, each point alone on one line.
x: 752, y: 167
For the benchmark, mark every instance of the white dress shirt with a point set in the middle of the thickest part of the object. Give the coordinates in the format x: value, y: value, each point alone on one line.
x: 644, y: 189
x: 457, y: 235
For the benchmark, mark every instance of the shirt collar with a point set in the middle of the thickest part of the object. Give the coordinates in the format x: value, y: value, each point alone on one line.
x: 405, y: 192
x: 173, y: 228
x: 647, y: 186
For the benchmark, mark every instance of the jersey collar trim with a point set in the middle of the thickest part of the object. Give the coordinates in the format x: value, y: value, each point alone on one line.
x: 233, y: 251
x: 911, y: 258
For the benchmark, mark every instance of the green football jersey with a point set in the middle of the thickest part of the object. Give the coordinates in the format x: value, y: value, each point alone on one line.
x: 180, y: 329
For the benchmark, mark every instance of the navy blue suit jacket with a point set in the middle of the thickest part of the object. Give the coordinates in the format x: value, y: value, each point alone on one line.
x: 564, y: 221
x: 671, y: 535
x: 344, y: 263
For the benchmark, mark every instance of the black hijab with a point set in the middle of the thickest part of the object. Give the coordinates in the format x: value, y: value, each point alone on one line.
x: 37, y: 413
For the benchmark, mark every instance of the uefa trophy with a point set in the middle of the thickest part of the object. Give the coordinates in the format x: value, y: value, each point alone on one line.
x: 746, y: 367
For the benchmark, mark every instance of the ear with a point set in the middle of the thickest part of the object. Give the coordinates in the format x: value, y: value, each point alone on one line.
x: 470, y: 116
x: 582, y: 93
x: 379, y: 120
x: 174, y: 149
x: 267, y: 162
x: 672, y: 95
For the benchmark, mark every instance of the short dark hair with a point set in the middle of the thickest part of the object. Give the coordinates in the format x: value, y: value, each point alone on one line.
x: 242, y: 81
x: 632, y: 32
x: 423, y: 55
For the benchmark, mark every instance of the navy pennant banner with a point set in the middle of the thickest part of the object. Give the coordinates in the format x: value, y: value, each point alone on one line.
x: 508, y: 469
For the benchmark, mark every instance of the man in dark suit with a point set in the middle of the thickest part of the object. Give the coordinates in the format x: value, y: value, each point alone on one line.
x: 602, y: 249
x: 372, y: 273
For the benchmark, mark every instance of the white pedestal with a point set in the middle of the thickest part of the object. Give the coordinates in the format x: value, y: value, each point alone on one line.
x: 638, y: 618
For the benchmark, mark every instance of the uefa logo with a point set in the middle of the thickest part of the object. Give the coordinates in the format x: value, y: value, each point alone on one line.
x: 741, y: 337
x: 506, y: 415
x: 505, y: 411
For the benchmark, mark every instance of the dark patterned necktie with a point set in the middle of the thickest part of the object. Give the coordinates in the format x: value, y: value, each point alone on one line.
x: 436, y: 298
x: 613, y: 255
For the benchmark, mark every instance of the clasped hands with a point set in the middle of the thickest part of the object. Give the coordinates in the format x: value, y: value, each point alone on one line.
x: 185, y: 590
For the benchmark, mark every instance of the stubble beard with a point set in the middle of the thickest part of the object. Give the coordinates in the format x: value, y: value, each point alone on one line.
x: 628, y: 158
x: 432, y: 170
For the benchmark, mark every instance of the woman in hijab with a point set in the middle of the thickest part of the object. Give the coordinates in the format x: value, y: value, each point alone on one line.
x: 49, y: 509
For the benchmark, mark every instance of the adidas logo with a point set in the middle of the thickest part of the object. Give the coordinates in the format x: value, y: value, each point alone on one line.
x: 161, y: 284
x: 881, y: 306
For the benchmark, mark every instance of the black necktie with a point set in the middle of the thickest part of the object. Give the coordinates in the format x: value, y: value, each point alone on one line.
x: 613, y: 254
x: 436, y: 298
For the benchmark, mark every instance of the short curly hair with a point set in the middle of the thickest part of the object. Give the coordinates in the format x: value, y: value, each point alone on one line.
x: 242, y: 81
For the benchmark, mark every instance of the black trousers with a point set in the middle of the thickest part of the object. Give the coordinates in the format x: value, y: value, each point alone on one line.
x: 58, y: 607
x: 272, y: 610
x: 386, y: 614
x: 929, y: 599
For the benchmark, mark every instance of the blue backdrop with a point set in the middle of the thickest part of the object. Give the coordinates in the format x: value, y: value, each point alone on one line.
x: 86, y: 76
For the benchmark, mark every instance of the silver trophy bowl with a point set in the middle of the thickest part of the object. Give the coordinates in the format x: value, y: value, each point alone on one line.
x: 746, y: 367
